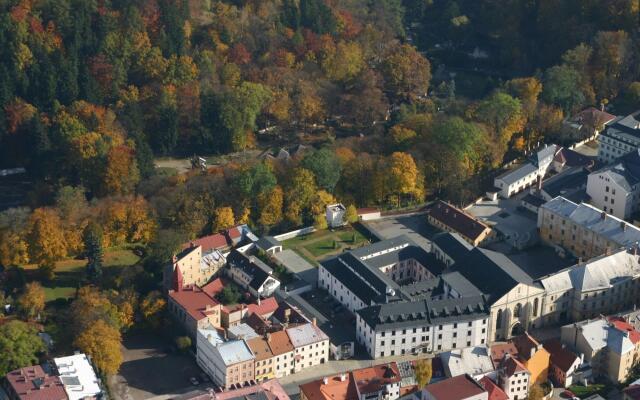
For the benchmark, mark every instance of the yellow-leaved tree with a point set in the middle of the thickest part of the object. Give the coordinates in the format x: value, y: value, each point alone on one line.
x: 101, y: 342
x: 31, y: 301
x: 270, y: 206
x: 223, y: 218
x: 45, y: 236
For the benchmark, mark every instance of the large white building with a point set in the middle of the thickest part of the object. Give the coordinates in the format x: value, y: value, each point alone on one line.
x: 601, y: 285
x: 311, y: 346
x: 527, y: 174
x: 621, y: 136
x: 616, y: 188
x: 407, y: 327
x: 513, y: 378
x: 582, y: 229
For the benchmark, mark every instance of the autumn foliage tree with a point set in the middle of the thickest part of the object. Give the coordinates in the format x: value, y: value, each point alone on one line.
x: 101, y: 342
x: 45, y: 236
x: 31, y: 301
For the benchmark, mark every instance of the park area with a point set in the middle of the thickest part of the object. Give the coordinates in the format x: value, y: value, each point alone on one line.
x: 69, y: 274
x: 323, y: 243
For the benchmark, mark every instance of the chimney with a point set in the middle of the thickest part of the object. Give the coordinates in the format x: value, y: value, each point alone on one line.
x: 539, y: 183
x: 635, y: 249
x: 607, y: 251
x: 268, y: 337
x: 258, y: 300
x: 603, y: 215
x: 325, y: 380
x: 623, y: 226
x: 192, y: 244
x: 343, y: 377
x: 314, y: 321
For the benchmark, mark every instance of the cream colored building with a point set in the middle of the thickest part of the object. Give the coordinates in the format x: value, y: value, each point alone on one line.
x: 195, y: 269
x: 583, y: 230
x: 603, y: 285
x: 283, y: 353
x: 311, y: 346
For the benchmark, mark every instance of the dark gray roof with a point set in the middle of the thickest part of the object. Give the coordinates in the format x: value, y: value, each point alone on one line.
x: 352, y: 281
x: 423, y: 289
x: 250, y: 265
x: 567, y: 183
x: 408, y: 314
x: 382, y: 245
x: 428, y: 260
x: 267, y: 242
x: 626, y: 170
x: 460, y: 284
x: 451, y: 243
x: 533, y: 200
x: 491, y: 272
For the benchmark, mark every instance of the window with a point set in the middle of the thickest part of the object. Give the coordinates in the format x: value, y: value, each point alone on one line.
x: 606, y: 189
x: 535, y: 307
x: 499, y: 319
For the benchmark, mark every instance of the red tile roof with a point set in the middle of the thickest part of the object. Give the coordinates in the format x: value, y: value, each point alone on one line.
x: 209, y: 243
x: 499, y: 350
x: 457, y: 220
x: 624, y: 326
x: 267, y: 306
x: 457, y: 388
x: 512, y: 366
x: 334, y: 389
x: 373, y: 379
x: 525, y: 343
x: 32, y: 383
x: 561, y: 357
x: 495, y: 392
x: 214, y: 287
x: 194, y: 301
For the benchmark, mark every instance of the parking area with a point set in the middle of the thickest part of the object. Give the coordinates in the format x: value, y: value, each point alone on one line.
x: 415, y: 226
x: 149, y: 370
x: 517, y: 225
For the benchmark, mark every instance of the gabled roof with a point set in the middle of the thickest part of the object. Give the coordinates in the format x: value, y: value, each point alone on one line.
x: 451, y: 243
x: 279, y: 343
x: 595, y: 220
x: 260, y: 348
x: 495, y: 392
x: 456, y: 388
x: 499, y: 350
x: 234, y: 352
x: 196, y: 303
x: 252, y: 266
x: 561, y: 357
x: 374, y: 379
x: 268, y: 242
x: 511, y: 366
x: 457, y: 220
x: 337, y: 387
x: 306, y: 334
x: 625, y: 171
x: 266, y: 306
x: 526, y: 345
x: 491, y: 272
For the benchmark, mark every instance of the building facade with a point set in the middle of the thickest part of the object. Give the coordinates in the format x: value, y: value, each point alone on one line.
x: 311, y: 346
x: 621, y: 136
x: 451, y: 219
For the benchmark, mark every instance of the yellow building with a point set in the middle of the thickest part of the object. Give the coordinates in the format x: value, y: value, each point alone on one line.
x: 534, y: 357
x: 264, y: 363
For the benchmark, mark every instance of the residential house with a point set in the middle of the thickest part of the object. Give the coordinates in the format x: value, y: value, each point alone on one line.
x: 311, y: 345
x: 462, y: 387
x: 191, y: 267
x: 252, y: 274
x: 264, y: 358
x: 78, y: 377
x: 242, y: 331
x: 589, y: 122
x: 33, y: 383
x: 283, y: 352
x: 379, y: 382
x: 268, y: 390
x: 229, y: 364
x: 527, y: 174
x: 620, y: 136
x: 583, y: 230
x: 451, y: 219
x: 513, y: 378
x: 610, y: 345
x: 473, y: 361
x: 615, y: 189
x: 494, y: 391
x: 194, y: 307
x: 564, y: 363
x: 533, y: 356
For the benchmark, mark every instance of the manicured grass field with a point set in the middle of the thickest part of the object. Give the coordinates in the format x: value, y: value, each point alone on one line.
x: 320, y: 244
x: 69, y: 273
x: 586, y: 391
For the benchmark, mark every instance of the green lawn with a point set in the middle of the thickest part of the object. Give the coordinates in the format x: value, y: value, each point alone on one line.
x: 321, y: 243
x: 69, y: 273
x: 586, y: 391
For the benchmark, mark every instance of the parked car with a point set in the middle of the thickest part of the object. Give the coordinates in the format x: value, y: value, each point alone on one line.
x: 568, y: 394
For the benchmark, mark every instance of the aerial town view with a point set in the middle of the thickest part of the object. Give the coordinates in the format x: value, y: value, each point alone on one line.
x: 319, y: 199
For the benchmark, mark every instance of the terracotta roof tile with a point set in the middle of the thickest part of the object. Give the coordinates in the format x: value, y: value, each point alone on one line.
x: 457, y: 388
x: 495, y: 392
x: 334, y: 389
x: 32, y: 383
x: 561, y: 357
x: 196, y: 302
x: 280, y: 343
x: 624, y: 326
x: 260, y: 348
x: 373, y: 379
